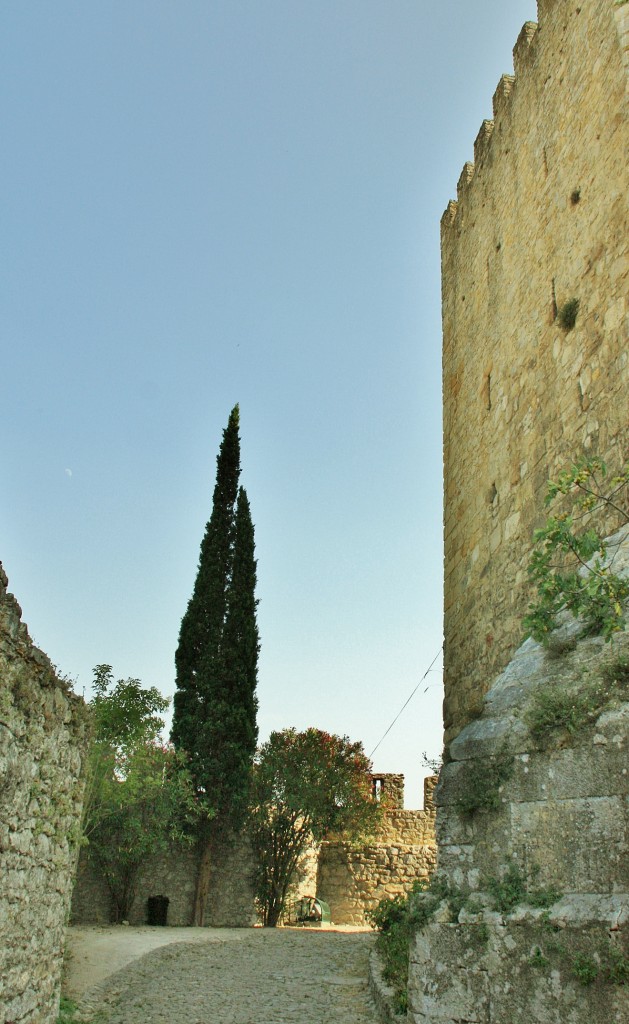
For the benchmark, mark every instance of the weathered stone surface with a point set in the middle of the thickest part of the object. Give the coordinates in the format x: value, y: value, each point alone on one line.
x: 519, y: 972
x: 562, y: 818
x: 542, y: 217
x: 43, y: 741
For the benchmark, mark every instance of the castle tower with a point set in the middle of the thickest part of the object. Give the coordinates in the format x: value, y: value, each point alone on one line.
x: 541, y: 219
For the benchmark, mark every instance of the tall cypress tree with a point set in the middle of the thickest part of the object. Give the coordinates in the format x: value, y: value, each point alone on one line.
x: 235, y: 724
x: 215, y: 704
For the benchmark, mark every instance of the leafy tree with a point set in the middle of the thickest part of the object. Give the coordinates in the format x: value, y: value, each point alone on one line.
x: 125, y: 716
x: 216, y: 661
x: 569, y: 563
x: 141, y: 797
x: 145, y: 806
x: 306, y: 785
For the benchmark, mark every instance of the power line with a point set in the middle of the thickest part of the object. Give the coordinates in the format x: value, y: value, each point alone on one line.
x: 407, y: 702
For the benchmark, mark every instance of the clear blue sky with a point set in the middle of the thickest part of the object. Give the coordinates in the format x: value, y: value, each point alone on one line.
x: 226, y: 201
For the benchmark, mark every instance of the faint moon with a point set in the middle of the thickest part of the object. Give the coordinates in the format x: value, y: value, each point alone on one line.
x: 68, y: 472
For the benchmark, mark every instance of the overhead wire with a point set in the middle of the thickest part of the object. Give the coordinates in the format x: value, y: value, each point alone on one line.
x: 407, y: 702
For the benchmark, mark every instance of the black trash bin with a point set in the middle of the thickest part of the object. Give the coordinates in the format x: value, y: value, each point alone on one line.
x: 157, y: 910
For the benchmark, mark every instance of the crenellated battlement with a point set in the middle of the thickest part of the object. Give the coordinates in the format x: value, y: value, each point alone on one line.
x: 524, y: 62
x: 501, y: 96
x: 536, y: 72
x: 524, y: 51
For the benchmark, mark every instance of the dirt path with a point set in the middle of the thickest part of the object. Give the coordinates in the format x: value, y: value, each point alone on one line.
x: 221, y: 976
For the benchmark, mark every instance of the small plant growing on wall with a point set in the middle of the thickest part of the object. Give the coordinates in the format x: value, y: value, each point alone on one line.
x: 567, y: 315
x: 569, y: 565
x: 567, y: 710
x: 483, y: 782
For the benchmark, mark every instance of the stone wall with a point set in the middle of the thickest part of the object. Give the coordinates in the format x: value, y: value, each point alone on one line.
x: 532, y: 827
x: 352, y: 880
x: 230, y: 897
x: 541, y: 217
x: 559, y: 821
x: 43, y: 740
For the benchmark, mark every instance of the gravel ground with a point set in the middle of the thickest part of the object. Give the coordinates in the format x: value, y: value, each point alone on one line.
x: 281, y: 976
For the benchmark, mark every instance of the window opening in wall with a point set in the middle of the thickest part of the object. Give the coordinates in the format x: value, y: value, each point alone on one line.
x: 575, y: 196
x: 377, y: 789
x: 554, y: 299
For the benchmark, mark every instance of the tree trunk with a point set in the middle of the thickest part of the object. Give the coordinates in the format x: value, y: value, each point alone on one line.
x: 203, y: 884
x: 273, y: 914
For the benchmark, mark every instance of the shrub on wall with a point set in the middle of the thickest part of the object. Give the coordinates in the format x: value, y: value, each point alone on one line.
x: 569, y: 565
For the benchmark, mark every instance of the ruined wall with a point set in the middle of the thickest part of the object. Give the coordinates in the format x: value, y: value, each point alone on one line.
x: 541, y: 218
x: 352, y: 880
x: 43, y: 739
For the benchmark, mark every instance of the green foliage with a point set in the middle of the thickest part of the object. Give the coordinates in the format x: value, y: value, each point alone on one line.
x: 603, y: 962
x: 537, y: 958
x: 567, y: 315
x: 435, y: 764
x: 573, y: 708
x: 306, y: 785
x: 568, y: 564
x: 141, y: 796
x: 142, y: 812
x: 397, y: 920
x: 125, y: 714
x: 615, y: 674
x: 515, y: 888
x: 480, y: 934
x: 216, y: 661
x: 483, y: 781
x: 585, y: 968
x: 616, y: 966
x: 67, y: 1010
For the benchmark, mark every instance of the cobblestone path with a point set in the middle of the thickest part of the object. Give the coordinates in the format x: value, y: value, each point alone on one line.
x: 267, y: 977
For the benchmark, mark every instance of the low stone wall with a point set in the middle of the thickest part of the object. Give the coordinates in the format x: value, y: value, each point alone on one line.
x: 352, y: 880
x: 43, y: 740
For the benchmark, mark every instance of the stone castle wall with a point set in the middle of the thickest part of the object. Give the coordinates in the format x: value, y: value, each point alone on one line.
x: 352, y: 880
x: 541, y: 217
x: 43, y: 739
